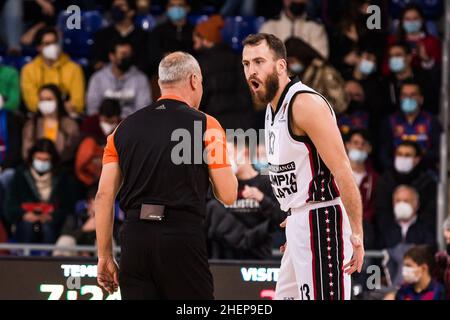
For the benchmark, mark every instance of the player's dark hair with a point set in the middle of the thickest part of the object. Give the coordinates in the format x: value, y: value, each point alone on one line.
x: 275, y: 44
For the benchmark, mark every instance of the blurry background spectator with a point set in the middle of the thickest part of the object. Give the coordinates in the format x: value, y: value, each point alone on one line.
x: 413, y: 123
x: 95, y: 129
x: 119, y: 80
x: 225, y: 92
x: 426, y: 49
x: 38, y: 14
x: 244, y: 230
x: 293, y: 22
x: 52, y: 66
x: 351, y: 35
x: 316, y: 72
x: 175, y: 33
x: 11, y: 24
x: 40, y: 196
x: 404, y: 225
x: 122, y: 14
x: 52, y: 122
x: 418, y: 268
x: 407, y: 169
x: 401, y: 70
x: 359, y: 149
x: 9, y: 88
x: 443, y: 260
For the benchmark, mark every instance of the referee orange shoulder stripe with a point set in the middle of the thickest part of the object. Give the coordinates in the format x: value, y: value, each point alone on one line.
x: 110, y: 153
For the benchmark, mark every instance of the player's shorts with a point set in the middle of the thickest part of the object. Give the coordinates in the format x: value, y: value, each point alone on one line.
x: 318, y: 246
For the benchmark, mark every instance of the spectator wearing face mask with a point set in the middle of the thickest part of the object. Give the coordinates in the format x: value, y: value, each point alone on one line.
x: 88, y: 161
x: 120, y: 80
x: 225, y: 93
x: 357, y: 114
x: 412, y: 122
x: 401, y: 70
x: 315, y: 71
x: 244, y: 229
x: 359, y: 148
x: 260, y: 162
x: 426, y: 49
x: 10, y: 123
x: 175, y: 33
x: 40, y: 196
x: 407, y: 169
x: 51, y: 122
x: 417, y: 272
x: 403, y: 225
x: 122, y: 29
x: 293, y: 22
x: 52, y: 66
x: 350, y: 35
x: 443, y: 260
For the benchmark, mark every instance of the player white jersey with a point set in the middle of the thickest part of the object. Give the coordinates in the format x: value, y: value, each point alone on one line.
x: 297, y: 173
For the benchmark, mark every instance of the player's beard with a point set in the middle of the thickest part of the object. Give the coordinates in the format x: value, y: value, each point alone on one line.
x: 271, y: 86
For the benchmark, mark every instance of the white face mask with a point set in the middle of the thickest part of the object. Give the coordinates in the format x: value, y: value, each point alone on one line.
x: 47, y: 107
x: 410, y: 275
x: 404, y: 164
x: 107, y: 128
x: 51, y: 51
x: 356, y: 155
x: 403, y: 211
x: 2, y: 102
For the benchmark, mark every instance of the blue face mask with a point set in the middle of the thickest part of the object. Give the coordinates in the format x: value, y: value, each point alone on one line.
x: 260, y: 165
x: 412, y: 26
x: 42, y: 166
x: 397, y: 64
x: 409, y: 105
x: 366, y: 67
x: 176, y: 13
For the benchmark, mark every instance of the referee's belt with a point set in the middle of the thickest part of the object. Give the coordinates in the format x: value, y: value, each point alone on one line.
x: 171, y: 216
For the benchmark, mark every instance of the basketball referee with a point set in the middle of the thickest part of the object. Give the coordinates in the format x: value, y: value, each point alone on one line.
x: 161, y: 181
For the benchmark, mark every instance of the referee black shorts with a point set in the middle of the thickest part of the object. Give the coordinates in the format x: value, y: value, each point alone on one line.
x: 164, y: 259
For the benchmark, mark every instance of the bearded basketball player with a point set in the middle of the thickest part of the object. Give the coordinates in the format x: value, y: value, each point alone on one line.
x: 311, y: 178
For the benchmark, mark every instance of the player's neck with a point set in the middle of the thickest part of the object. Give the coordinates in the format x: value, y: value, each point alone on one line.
x: 284, y: 80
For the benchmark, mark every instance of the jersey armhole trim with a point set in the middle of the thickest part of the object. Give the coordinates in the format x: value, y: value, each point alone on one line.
x: 303, y: 138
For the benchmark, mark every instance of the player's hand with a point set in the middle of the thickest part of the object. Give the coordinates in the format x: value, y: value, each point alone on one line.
x: 357, y: 260
x: 108, y: 274
x: 284, y: 246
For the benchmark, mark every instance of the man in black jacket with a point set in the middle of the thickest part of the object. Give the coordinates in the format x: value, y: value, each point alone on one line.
x: 244, y: 229
x: 407, y: 169
x: 405, y: 226
x: 226, y: 95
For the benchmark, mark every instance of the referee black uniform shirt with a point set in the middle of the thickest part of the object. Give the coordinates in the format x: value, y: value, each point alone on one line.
x: 165, y: 259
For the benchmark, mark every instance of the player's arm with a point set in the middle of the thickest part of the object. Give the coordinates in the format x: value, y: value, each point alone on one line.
x: 312, y: 115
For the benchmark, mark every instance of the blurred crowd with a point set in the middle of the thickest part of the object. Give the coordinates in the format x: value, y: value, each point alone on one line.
x: 64, y: 90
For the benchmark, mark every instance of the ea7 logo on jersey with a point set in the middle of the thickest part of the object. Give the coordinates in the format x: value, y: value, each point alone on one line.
x: 283, y: 179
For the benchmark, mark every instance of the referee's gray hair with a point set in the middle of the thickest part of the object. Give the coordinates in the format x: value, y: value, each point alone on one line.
x: 176, y: 67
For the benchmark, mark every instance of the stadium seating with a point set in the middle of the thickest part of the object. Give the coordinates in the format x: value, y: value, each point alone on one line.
x: 77, y: 42
x: 237, y: 28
